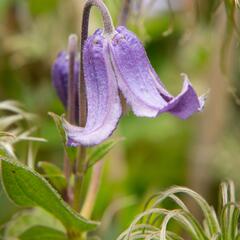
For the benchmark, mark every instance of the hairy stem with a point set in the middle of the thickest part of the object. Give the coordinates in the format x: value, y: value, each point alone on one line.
x: 108, y: 30
x: 107, y: 20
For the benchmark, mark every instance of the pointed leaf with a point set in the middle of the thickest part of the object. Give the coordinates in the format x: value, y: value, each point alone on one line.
x: 42, y: 233
x: 71, y: 151
x: 99, y: 152
x: 54, y: 174
x: 58, y: 122
x: 27, y: 188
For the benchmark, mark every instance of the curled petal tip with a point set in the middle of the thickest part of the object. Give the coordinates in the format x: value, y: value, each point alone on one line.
x: 202, y: 100
x: 185, y: 77
x: 141, y: 86
x: 77, y: 136
x: 187, y: 102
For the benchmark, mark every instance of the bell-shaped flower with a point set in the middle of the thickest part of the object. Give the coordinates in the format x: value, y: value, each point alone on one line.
x: 60, y: 75
x: 118, y: 62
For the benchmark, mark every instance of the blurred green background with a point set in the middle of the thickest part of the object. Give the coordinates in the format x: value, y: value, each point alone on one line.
x: 194, y: 37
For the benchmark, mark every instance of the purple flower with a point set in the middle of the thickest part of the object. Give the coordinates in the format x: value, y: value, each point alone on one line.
x: 60, y: 73
x: 119, y: 62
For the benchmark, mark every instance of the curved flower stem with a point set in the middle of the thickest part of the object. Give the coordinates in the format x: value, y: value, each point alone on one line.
x: 107, y: 20
x: 80, y: 165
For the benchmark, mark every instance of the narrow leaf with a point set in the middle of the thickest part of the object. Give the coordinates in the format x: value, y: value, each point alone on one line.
x: 71, y: 151
x: 27, y: 188
x: 12, y: 106
x: 42, y: 233
x: 99, y: 152
x: 58, y: 122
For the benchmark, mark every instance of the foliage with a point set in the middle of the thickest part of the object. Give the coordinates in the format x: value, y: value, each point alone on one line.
x: 13, y: 125
x: 156, y: 153
x: 28, y: 189
x: 154, y: 222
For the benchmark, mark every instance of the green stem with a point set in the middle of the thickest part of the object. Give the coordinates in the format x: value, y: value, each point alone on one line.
x: 79, y: 177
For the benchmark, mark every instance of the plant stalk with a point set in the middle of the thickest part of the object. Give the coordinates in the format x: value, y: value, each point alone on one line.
x: 71, y: 106
x: 80, y: 164
x: 107, y: 20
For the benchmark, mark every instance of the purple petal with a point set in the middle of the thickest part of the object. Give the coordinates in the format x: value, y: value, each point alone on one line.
x: 60, y: 72
x: 186, y: 103
x: 140, y: 84
x: 135, y: 75
x: 103, y: 102
x: 60, y: 76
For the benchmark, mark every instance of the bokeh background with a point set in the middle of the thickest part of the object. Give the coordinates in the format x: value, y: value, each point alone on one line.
x: 199, y: 38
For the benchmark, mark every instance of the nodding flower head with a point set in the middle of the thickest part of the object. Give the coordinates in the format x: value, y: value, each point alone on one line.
x: 118, y: 62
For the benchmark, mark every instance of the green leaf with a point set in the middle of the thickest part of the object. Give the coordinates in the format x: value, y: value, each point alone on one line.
x: 71, y: 151
x: 99, y: 152
x: 27, y: 188
x: 54, y: 174
x: 42, y: 233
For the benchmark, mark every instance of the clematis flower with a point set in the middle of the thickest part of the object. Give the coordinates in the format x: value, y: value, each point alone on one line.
x: 118, y: 62
x: 60, y: 73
